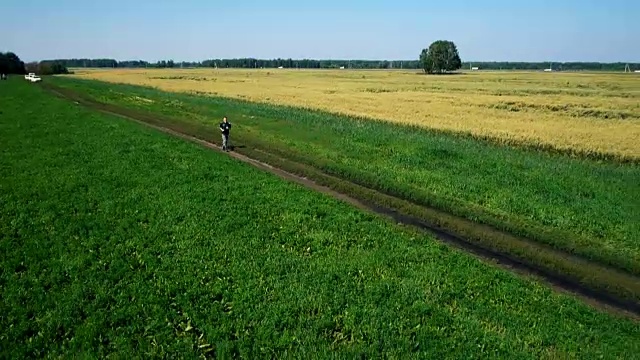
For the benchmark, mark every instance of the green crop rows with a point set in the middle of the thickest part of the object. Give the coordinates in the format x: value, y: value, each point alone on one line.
x: 116, y: 239
x: 583, y: 206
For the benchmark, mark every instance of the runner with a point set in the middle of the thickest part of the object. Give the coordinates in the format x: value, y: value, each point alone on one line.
x: 225, y: 127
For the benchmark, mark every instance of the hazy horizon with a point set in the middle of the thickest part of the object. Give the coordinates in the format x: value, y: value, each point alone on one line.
x: 178, y: 61
x: 484, y: 31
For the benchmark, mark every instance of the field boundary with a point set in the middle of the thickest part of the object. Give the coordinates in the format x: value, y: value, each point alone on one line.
x: 598, y: 285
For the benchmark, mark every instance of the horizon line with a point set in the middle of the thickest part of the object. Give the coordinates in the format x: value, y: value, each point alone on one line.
x: 334, y: 59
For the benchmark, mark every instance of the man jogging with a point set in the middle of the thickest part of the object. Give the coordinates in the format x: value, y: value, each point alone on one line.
x: 225, y: 127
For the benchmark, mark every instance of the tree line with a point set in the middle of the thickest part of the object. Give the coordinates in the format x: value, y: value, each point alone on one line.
x: 46, y: 67
x: 558, y: 66
x: 250, y: 63
x: 245, y: 63
x: 10, y: 63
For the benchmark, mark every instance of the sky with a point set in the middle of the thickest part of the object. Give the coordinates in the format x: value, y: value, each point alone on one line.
x: 194, y: 30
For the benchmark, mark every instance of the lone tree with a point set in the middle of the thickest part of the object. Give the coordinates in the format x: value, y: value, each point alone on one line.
x: 440, y: 57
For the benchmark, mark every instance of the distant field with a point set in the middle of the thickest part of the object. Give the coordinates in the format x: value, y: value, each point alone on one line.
x: 592, y: 113
x: 117, y: 240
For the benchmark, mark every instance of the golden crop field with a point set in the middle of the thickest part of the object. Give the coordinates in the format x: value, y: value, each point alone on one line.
x: 588, y: 112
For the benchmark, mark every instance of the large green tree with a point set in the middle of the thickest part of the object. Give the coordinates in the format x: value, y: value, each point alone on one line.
x: 440, y: 57
x: 10, y: 63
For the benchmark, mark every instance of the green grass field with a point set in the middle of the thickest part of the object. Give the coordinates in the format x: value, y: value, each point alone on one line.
x: 583, y: 206
x: 116, y: 239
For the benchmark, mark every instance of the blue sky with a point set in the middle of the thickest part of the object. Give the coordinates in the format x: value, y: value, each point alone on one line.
x: 542, y: 30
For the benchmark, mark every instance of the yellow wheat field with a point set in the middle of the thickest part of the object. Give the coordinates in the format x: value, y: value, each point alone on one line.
x: 586, y: 112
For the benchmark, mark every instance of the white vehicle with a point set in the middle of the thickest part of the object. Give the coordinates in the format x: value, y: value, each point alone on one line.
x: 32, y: 77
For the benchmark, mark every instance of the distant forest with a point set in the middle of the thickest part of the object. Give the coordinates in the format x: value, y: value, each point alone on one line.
x: 248, y: 63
